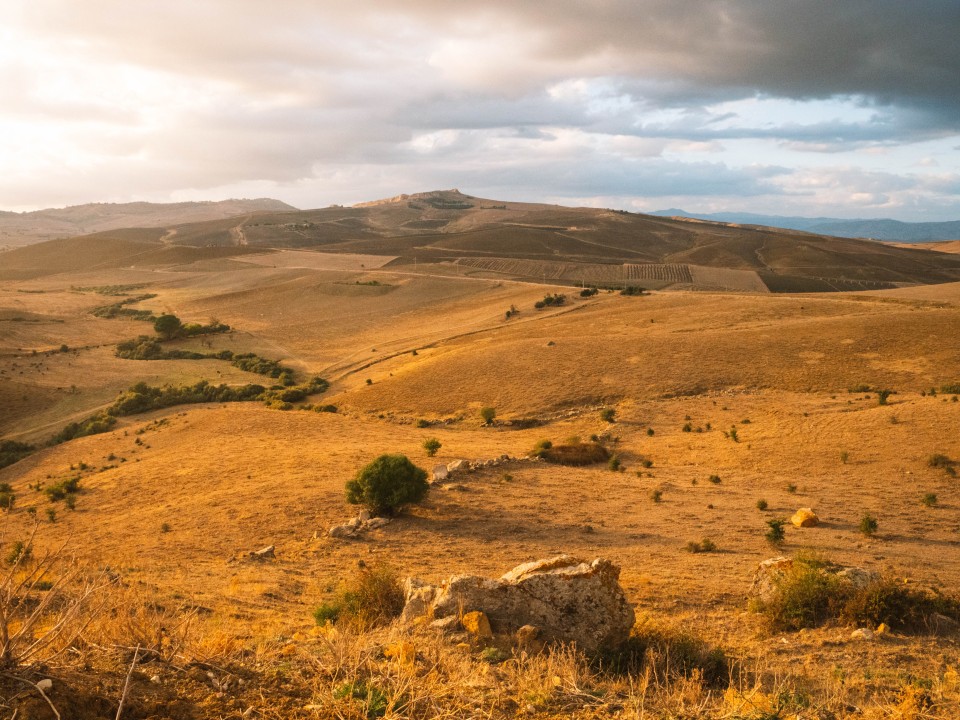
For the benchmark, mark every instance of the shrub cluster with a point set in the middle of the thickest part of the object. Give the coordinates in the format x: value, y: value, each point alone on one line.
x: 810, y: 593
x: 571, y: 453
x: 550, y: 301
x: 12, y: 451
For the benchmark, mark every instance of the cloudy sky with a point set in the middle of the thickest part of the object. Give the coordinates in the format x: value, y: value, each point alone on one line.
x: 846, y: 108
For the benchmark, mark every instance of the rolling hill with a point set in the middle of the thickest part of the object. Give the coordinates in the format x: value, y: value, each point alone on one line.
x: 448, y: 232
x: 17, y: 229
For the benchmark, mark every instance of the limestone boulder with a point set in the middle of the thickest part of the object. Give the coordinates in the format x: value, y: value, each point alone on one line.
x: 804, y: 518
x: 566, y: 599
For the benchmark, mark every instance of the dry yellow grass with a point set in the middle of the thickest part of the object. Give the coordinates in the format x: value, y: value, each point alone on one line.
x: 173, y: 501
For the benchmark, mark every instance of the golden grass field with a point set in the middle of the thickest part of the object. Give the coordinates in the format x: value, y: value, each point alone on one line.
x: 174, y: 500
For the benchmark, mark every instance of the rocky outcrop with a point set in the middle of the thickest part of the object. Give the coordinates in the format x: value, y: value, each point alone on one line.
x: 562, y: 599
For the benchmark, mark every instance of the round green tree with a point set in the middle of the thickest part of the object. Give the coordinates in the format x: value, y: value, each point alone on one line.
x: 388, y: 483
x: 167, y: 326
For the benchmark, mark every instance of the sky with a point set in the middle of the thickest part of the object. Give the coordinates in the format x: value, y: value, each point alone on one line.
x: 833, y: 108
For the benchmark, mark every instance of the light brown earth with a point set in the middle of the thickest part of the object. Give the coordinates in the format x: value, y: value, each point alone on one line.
x: 228, y: 479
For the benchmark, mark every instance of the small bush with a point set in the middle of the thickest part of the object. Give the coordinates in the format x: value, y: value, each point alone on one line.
x: 421, y: 423
x: 705, y: 545
x: 868, y: 524
x: 388, y: 483
x: 762, y: 505
x: 375, y: 701
x: 373, y: 596
x: 650, y: 432
x: 775, y: 533
x: 656, y: 495
x: 715, y: 479
x: 7, y: 496
x: 929, y: 499
x: 62, y: 489
x: 608, y: 415
x: 615, y: 464
x: 791, y: 488
x: 589, y: 292
x: 687, y: 428
x: 488, y: 414
x: 844, y: 456
x: 431, y: 445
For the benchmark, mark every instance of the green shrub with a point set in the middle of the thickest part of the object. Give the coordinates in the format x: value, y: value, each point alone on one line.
x: 375, y: 701
x: 589, y: 292
x: 715, y: 479
x: 705, y: 545
x: 656, y: 495
x: 608, y: 415
x: 804, y: 597
x: 844, y: 456
x: 687, y: 428
x: 650, y: 432
x: 775, y: 533
x: 431, y: 445
x: 373, y: 596
x: 791, y: 488
x: 62, y: 489
x: 868, y: 524
x: 615, y: 464
x: 387, y: 484
x: 19, y: 553
x: 7, y: 496
x: 487, y: 414
x: 929, y: 499
x: 762, y: 505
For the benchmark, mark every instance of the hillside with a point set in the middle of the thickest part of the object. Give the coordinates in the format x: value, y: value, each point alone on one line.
x: 449, y: 233
x: 729, y: 411
x: 17, y: 229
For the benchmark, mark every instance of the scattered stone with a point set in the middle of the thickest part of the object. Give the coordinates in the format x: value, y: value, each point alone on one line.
x: 342, y: 531
x: 477, y: 624
x: 450, y: 624
x: 943, y: 625
x: 358, y: 525
x: 455, y: 465
x: 45, y: 684
x: 805, y: 517
x: 440, y: 473
x: 566, y: 599
x: 263, y: 553
x: 862, y: 634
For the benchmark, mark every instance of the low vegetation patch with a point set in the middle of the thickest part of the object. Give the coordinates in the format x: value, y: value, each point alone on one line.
x: 373, y: 596
x: 810, y: 593
x: 577, y: 453
x: 12, y: 451
x: 553, y: 300
x: 706, y: 545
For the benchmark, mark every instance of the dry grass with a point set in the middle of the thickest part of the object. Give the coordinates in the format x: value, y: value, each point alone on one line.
x: 174, y: 501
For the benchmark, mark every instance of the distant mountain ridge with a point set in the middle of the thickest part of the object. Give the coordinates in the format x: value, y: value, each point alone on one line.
x: 876, y: 229
x: 17, y: 229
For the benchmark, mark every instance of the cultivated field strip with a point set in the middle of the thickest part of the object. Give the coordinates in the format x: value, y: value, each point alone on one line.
x: 650, y: 275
